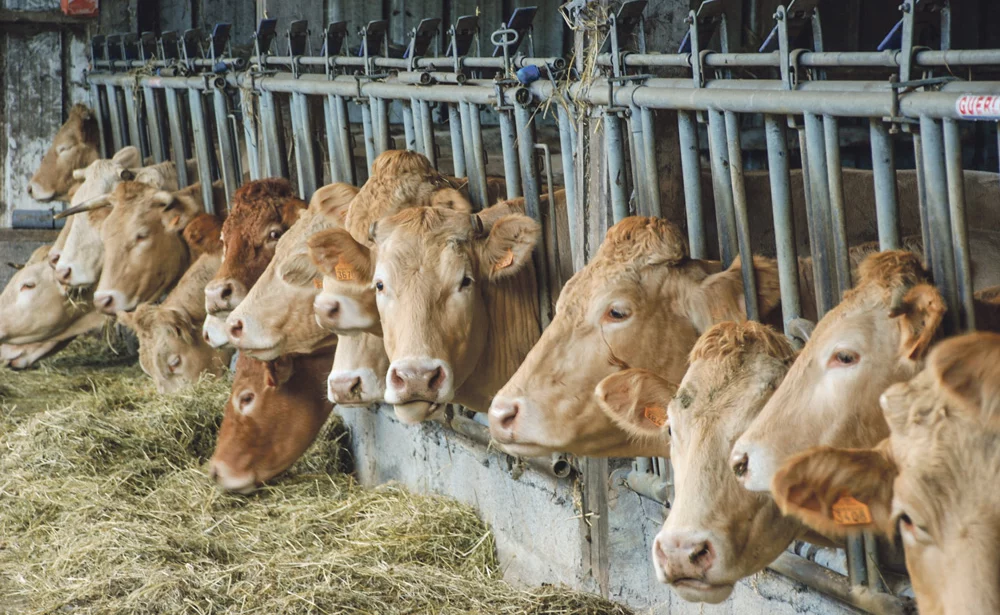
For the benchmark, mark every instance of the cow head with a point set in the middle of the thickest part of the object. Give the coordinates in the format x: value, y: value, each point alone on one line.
x: 716, y: 532
x: 876, y: 336
x: 276, y: 317
x: 260, y: 213
x: 641, y: 302
x: 33, y: 306
x: 274, y: 413
x: 932, y: 479
x: 359, y: 368
x: 74, y: 147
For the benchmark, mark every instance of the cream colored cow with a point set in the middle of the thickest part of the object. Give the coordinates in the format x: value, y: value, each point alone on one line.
x: 75, y: 145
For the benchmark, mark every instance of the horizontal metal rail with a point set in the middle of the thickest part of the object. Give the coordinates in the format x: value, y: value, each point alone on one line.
x: 813, y: 59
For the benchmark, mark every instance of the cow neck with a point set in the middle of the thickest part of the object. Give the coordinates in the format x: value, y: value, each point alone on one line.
x: 513, y: 328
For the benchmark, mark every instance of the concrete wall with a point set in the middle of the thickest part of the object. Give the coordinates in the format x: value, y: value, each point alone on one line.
x: 541, y: 537
x: 16, y: 247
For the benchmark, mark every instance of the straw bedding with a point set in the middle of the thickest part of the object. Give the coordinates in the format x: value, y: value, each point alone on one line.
x: 105, y: 507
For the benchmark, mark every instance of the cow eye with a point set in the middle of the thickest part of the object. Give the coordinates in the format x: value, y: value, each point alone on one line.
x: 173, y: 363
x: 843, y: 358
x: 617, y: 313
x: 274, y: 235
x: 466, y: 282
x: 379, y: 286
x: 141, y: 236
x: 63, y: 148
x: 27, y: 286
x: 245, y: 400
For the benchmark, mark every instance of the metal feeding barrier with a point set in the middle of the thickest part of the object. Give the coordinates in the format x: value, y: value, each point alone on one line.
x: 138, y: 86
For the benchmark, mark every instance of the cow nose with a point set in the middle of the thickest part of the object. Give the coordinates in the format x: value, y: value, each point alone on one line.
x: 230, y: 480
x: 344, y: 388
x: 63, y: 273
x: 236, y: 329
x: 221, y: 296
x: 53, y: 260
x: 417, y: 379
x: 109, y: 301
x: 683, y: 555
x: 739, y: 462
x: 327, y: 311
x: 503, y: 413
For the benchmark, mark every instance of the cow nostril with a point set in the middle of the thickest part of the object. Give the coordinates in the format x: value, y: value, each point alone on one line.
x: 106, y: 301
x: 507, y: 420
x: 236, y: 330
x: 436, y: 380
x: 396, y: 379
x: 332, y: 310
x: 213, y: 472
x: 54, y: 260
x: 205, y: 336
x: 65, y: 274
x: 356, y: 386
x: 740, y: 465
x: 227, y: 292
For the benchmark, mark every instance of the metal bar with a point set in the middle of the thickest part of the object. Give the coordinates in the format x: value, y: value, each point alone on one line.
x: 650, y: 176
x: 575, y: 218
x: 305, y: 160
x: 838, y: 221
x: 818, y: 214
x: 409, y: 132
x: 202, y: 148
x: 276, y: 164
x: 100, y: 111
x: 457, y: 141
x: 636, y: 157
x: 381, y: 120
x: 938, y: 220
x: 532, y: 202
x: 508, y: 145
x: 333, y: 139
x: 134, y: 127
x: 918, y: 157
x: 366, y: 124
x: 691, y: 171
x: 886, y: 194
x: 857, y: 571
x: 427, y: 130
x: 227, y: 148
x: 178, y: 137
x: 468, y: 147
x: 250, y: 134
x: 345, y: 146
x: 119, y: 135
x: 154, y: 125
x: 613, y: 141
x: 741, y: 217
x: 478, y: 156
x: 959, y: 226
x: 838, y: 586
x: 722, y: 187
x: 784, y: 220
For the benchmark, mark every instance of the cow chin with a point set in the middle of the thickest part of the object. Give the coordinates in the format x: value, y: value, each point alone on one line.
x: 524, y: 450
x: 415, y: 412
x: 692, y: 590
x: 271, y: 353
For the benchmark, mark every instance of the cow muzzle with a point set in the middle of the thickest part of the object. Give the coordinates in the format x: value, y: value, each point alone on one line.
x: 40, y: 193
x: 356, y: 387
x: 229, y: 480
x: 213, y: 331
x: 685, y: 559
x: 111, y: 302
x: 223, y: 296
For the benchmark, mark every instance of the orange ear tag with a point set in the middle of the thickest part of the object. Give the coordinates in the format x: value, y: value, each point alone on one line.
x: 656, y: 415
x: 317, y: 282
x: 506, y: 261
x: 848, y: 511
x: 175, y: 220
x: 344, y: 273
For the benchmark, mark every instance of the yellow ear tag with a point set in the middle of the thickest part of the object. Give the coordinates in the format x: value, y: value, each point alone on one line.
x: 656, y: 415
x: 317, y: 282
x: 848, y: 511
x: 506, y: 261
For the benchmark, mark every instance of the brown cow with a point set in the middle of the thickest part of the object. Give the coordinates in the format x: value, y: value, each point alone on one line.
x: 273, y: 414
x: 717, y: 532
x: 260, y: 213
x: 276, y: 317
x: 75, y: 146
x: 876, y: 336
x: 150, y: 237
x: 933, y: 478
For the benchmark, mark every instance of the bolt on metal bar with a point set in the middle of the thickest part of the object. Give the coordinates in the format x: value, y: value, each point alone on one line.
x: 478, y: 156
x: 457, y: 141
x: 959, y: 226
x: 884, y: 175
x: 838, y: 221
x: 272, y: 143
x: 650, y: 168
x: 567, y: 147
x: 154, y: 124
x: 818, y: 214
x: 691, y: 171
x: 302, y: 137
x: 722, y: 186
x: 426, y: 132
x: 741, y: 217
x: 784, y: 221
x: 613, y: 141
x: 508, y: 145
x: 228, y: 157
x: 943, y: 259
x: 202, y: 147
x: 178, y: 137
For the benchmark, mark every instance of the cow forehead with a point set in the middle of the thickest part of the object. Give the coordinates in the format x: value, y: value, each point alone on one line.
x: 241, y: 221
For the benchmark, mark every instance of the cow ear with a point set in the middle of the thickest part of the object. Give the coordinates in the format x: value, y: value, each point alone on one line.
x: 128, y: 157
x: 177, y: 209
x: 333, y: 201
x: 838, y: 491
x: 636, y: 400
x: 449, y: 198
x: 129, y: 320
x: 508, y: 246
x: 278, y: 372
x: 339, y: 256
x: 968, y: 368
x: 719, y: 297
x: 919, y: 312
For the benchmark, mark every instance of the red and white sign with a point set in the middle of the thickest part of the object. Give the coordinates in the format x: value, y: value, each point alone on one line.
x: 979, y: 107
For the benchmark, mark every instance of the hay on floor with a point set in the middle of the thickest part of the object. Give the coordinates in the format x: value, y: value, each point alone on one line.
x: 105, y: 507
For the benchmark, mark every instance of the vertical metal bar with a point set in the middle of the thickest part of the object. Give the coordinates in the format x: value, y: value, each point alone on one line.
x: 784, y: 221
x: 369, y: 130
x: 154, y: 125
x: 959, y: 226
x: 118, y: 137
x: 131, y: 99
x: 427, y: 131
x: 650, y: 175
x: 943, y: 261
x: 333, y: 139
x: 508, y: 144
x: 381, y: 119
x: 202, y: 147
x: 740, y: 215
x: 276, y: 165
x: 613, y: 141
x: 856, y: 570
x: 470, y: 157
x: 636, y: 155
x: 918, y: 157
x: 250, y: 133
x: 722, y: 187
x: 227, y: 151
x: 102, y: 124
x: 818, y: 213
x: 178, y: 136
x: 838, y: 222
x: 886, y: 194
x: 345, y: 147
x: 457, y: 141
x: 409, y: 133
x: 305, y: 161
x: 567, y: 147
x: 532, y: 202
x: 479, y: 156
x: 691, y: 171
x: 871, y: 564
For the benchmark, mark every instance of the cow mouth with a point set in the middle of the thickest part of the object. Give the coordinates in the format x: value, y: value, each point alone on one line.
x: 699, y: 590
x: 520, y: 449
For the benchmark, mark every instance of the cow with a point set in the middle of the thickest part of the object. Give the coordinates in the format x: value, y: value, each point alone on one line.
x: 171, y: 348
x: 273, y: 414
x: 150, y: 238
x: 260, y: 213
x: 933, y: 479
x: 359, y: 368
x: 276, y: 317
x: 716, y: 532
x: 457, y: 299
x: 82, y: 255
x: 76, y: 145
x: 878, y: 335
